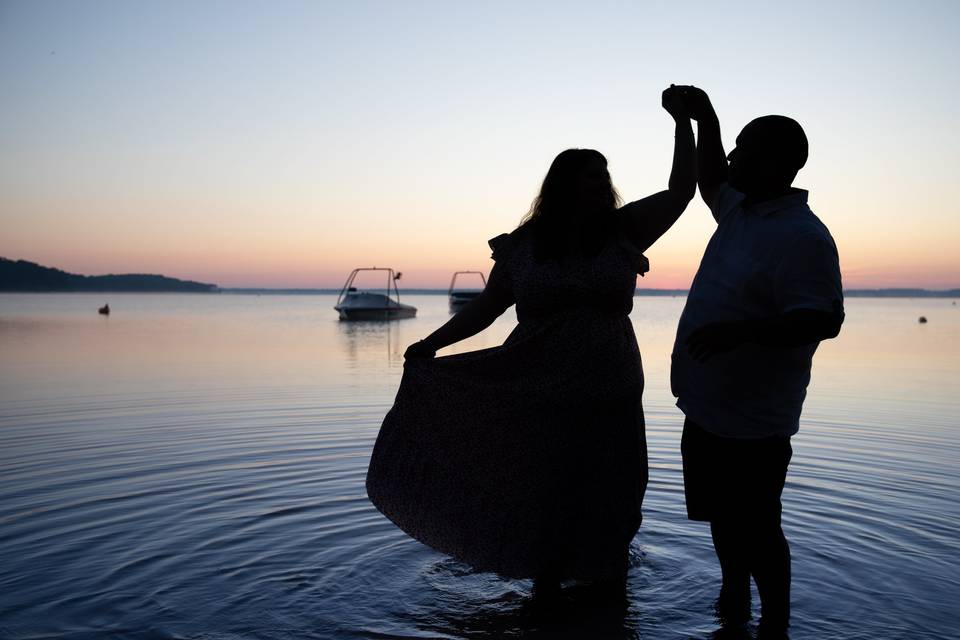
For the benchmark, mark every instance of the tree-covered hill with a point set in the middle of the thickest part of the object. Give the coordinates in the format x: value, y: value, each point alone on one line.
x: 20, y: 275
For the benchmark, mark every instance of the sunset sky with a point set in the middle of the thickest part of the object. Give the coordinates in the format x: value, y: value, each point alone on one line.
x: 280, y: 144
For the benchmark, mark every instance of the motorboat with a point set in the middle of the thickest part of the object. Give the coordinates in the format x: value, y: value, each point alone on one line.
x: 353, y: 304
x: 460, y: 297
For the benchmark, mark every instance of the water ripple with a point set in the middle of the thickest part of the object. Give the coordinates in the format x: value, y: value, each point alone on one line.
x: 236, y: 509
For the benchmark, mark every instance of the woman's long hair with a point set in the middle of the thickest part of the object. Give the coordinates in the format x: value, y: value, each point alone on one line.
x: 556, y: 205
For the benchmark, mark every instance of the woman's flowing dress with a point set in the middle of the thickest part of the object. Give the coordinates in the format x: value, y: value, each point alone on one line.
x: 529, y: 458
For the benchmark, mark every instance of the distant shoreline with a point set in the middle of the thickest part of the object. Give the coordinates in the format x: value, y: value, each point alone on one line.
x: 850, y: 293
x: 21, y: 276
x: 640, y: 293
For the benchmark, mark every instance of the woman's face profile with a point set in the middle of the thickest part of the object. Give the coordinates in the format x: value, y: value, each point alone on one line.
x: 592, y: 187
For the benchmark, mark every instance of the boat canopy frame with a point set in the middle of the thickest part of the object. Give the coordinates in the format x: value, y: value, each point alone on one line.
x: 453, y: 280
x: 391, y: 282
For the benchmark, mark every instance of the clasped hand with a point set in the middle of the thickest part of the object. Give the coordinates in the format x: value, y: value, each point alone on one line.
x: 693, y: 102
x: 673, y: 103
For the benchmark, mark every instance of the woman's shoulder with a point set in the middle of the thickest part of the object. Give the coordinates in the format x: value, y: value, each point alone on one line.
x: 505, y: 244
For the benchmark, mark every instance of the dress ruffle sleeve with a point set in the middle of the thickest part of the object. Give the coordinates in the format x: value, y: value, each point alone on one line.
x: 500, y: 246
x: 640, y: 261
x: 501, y: 276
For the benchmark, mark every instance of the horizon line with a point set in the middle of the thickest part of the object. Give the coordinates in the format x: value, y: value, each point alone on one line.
x: 853, y: 292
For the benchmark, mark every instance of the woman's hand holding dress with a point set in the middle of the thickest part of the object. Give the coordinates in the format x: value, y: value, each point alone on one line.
x: 419, y: 349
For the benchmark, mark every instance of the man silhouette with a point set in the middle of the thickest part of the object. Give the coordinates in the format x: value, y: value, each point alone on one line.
x: 766, y: 293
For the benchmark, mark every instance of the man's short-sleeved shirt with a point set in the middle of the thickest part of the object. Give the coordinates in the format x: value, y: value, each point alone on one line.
x: 762, y: 261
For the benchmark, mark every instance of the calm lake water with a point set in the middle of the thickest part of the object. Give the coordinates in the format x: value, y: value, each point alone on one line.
x: 193, y: 467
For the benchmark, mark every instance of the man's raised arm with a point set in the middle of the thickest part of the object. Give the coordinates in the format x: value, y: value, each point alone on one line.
x: 711, y: 159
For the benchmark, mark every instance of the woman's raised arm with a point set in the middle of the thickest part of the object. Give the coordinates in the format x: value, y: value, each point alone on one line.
x: 646, y: 220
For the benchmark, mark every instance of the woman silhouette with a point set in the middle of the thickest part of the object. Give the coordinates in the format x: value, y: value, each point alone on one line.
x: 529, y: 459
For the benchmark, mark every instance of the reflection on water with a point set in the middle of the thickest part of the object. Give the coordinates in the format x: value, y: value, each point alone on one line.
x: 193, y: 467
x: 365, y: 341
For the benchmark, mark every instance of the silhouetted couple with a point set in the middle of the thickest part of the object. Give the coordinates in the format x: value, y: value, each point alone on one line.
x: 530, y: 460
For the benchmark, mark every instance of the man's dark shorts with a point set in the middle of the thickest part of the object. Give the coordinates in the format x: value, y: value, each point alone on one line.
x: 733, y: 477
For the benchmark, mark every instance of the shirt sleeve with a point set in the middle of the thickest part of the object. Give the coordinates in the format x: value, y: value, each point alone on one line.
x: 726, y: 200
x: 808, y: 276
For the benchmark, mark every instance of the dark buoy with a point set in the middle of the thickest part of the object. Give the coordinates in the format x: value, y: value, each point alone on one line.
x: 922, y: 320
x: 105, y: 310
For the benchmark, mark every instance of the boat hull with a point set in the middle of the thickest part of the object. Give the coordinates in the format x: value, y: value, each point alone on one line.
x: 460, y: 298
x: 377, y: 314
x: 373, y: 306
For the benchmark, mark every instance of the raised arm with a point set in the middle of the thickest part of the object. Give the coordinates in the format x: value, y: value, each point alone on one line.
x: 476, y: 315
x: 647, y: 219
x: 711, y: 159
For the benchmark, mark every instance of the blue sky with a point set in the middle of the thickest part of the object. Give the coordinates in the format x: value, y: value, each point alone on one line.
x: 283, y: 143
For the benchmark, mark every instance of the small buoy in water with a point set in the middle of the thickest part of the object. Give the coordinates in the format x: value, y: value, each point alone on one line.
x: 922, y: 320
x: 105, y: 310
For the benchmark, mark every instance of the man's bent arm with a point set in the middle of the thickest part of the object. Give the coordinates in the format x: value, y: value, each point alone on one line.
x: 793, y: 328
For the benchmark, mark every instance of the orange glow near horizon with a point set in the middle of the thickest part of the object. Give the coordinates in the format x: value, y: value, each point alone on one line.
x: 234, y: 244
x: 277, y: 263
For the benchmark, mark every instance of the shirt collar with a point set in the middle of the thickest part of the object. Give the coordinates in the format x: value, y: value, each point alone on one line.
x: 797, y: 198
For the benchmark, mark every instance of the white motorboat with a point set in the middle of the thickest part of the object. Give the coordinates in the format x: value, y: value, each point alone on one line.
x: 460, y: 297
x: 373, y: 305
